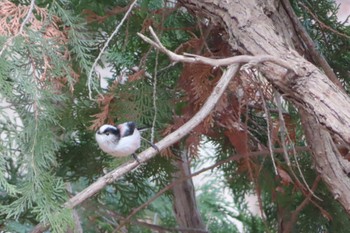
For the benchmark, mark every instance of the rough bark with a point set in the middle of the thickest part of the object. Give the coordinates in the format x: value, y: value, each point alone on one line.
x: 263, y: 27
x: 185, y: 205
x: 333, y: 169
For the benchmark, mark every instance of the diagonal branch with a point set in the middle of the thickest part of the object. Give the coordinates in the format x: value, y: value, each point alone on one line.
x: 233, y: 64
x: 150, y: 152
x: 310, y: 45
x: 233, y: 157
x: 303, y: 204
x: 164, y: 143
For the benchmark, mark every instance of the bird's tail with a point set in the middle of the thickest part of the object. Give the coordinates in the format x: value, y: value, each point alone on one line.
x: 143, y: 128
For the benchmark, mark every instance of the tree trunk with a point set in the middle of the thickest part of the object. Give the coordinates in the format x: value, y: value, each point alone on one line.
x: 185, y: 205
x: 259, y: 27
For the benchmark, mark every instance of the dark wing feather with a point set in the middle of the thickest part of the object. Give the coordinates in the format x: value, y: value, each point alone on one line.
x: 130, y: 129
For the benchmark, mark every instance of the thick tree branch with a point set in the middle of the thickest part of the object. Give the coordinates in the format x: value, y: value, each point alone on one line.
x: 254, y: 35
x: 150, y: 152
x: 323, y: 106
x: 172, y: 138
x: 331, y: 166
x: 309, y: 43
x: 164, y: 143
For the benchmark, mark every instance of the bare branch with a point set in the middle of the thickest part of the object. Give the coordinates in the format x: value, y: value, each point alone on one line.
x: 284, y: 132
x: 283, y: 128
x: 164, y: 143
x: 30, y: 11
x: 268, y: 124
x: 233, y: 64
x: 322, y: 24
x: 192, y: 58
x: 154, y: 96
x: 234, y: 157
x: 150, y: 152
x: 105, y: 47
x: 169, y: 229
x: 303, y: 204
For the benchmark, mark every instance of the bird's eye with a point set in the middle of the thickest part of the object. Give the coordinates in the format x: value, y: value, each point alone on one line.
x: 107, y: 133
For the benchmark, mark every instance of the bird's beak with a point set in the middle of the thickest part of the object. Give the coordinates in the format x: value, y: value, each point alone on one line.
x: 98, y: 132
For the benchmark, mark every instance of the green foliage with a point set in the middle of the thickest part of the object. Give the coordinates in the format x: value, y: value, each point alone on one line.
x: 34, y: 66
x: 215, y: 209
x: 46, y: 141
x: 329, y: 35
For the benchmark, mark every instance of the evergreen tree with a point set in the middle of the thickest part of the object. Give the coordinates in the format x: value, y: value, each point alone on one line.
x: 48, y: 152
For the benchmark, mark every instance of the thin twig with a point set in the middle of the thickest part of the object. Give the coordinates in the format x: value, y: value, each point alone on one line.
x: 283, y: 128
x: 301, y: 173
x: 233, y: 157
x: 303, y: 204
x: 105, y: 47
x: 284, y: 133
x: 268, y: 126
x: 112, y: 218
x: 322, y: 24
x: 169, y: 229
x: 30, y: 11
x: 154, y: 96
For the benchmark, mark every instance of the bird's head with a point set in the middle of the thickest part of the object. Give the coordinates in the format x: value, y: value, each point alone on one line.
x: 107, y: 134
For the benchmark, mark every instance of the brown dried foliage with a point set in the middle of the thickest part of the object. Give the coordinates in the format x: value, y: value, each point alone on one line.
x: 108, y: 105
x: 198, y: 81
x: 246, y: 92
x: 93, y: 17
x: 11, y: 17
x: 102, y: 117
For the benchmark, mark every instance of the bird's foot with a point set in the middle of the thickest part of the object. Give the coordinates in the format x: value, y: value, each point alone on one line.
x: 135, y: 157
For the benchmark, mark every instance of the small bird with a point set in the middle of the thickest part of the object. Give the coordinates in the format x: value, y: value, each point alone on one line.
x: 121, y: 140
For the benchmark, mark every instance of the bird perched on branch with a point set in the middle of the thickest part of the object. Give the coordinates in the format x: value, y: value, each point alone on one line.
x: 121, y: 140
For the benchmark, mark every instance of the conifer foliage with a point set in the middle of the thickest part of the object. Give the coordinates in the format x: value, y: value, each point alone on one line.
x: 47, y: 121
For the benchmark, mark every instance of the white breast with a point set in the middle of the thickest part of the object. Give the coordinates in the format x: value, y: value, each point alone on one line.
x: 127, y: 145
x: 124, y: 147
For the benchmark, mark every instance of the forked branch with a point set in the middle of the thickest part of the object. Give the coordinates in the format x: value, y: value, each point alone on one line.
x: 193, y: 58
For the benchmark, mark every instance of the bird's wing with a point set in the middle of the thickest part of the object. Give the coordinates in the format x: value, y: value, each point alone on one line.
x: 130, y: 128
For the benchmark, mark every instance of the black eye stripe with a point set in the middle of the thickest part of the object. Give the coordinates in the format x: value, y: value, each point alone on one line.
x: 111, y: 131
